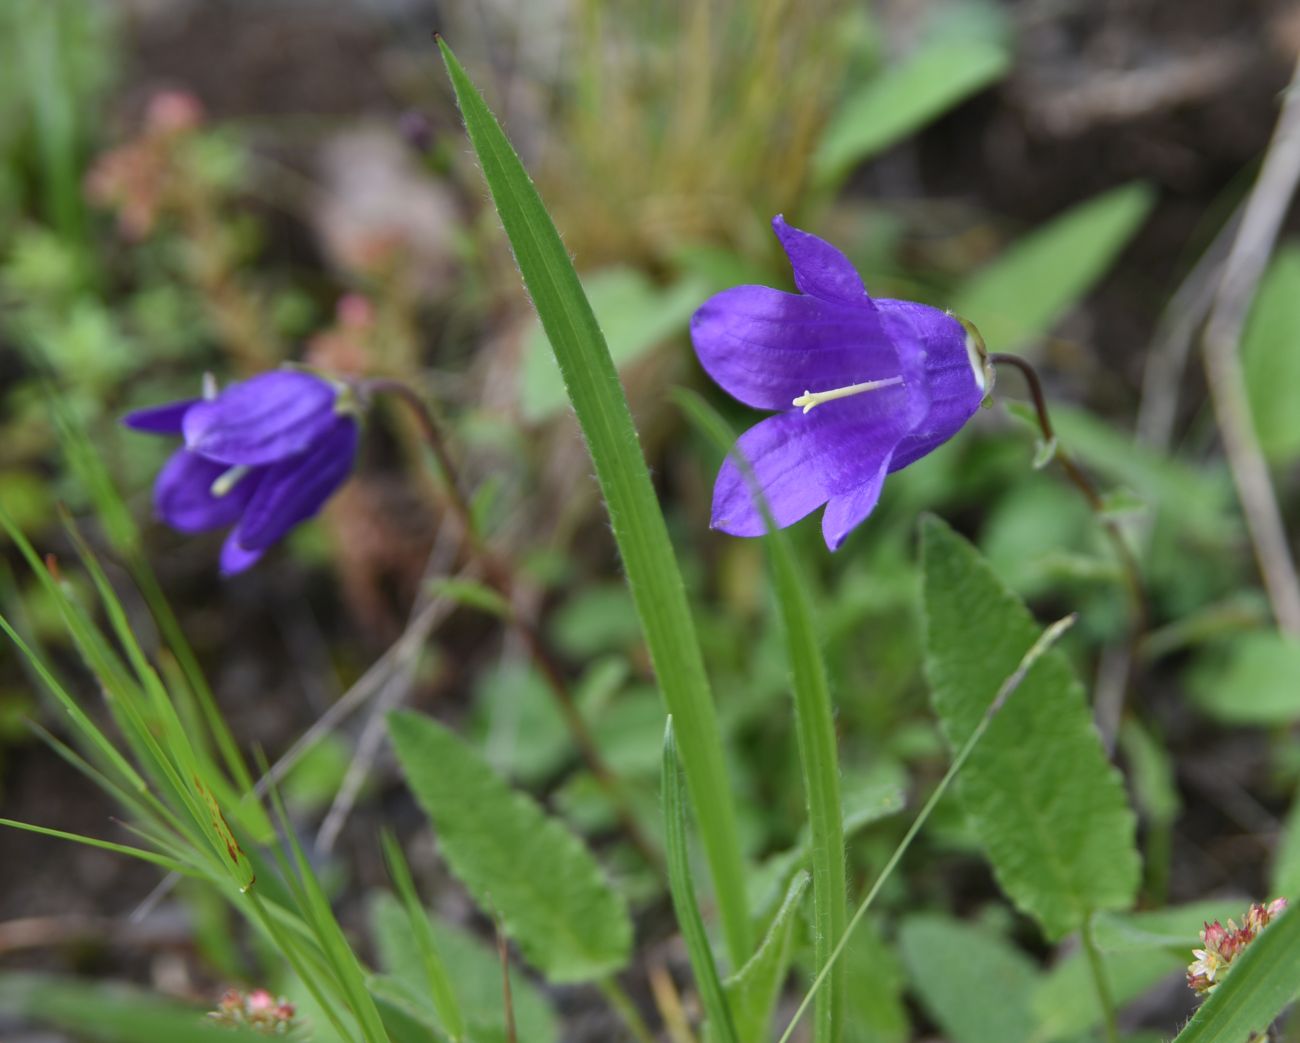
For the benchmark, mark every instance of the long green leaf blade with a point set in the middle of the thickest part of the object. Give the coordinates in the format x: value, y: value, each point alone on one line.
x: 527, y: 868
x: 682, y: 886
x: 634, y: 512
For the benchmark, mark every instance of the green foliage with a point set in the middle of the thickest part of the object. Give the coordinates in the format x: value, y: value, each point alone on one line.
x: 897, y: 102
x: 1269, y: 358
x: 1261, y: 981
x: 1048, y: 808
x: 520, y: 865
x: 1251, y: 681
x: 975, y: 984
x: 474, y: 969
x: 113, y: 1014
x: 1017, y: 298
x: 638, y: 524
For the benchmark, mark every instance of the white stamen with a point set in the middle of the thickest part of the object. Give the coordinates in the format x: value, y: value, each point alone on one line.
x: 815, y: 398
x: 209, y: 386
x: 227, y: 480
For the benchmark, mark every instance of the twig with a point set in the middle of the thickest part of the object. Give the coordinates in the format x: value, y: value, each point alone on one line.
x: 500, y: 575
x: 1265, y: 210
x: 391, y: 695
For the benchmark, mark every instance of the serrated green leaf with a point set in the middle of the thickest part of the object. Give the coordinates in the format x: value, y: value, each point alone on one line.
x: 1252, y: 681
x: 519, y: 864
x: 975, y: 984
x: 1268, y: 357
x: 634, y: 314
x: 901, y: 100
x: 1262, y: 981
x: 1018, y: 297
x: 475, y: 972
x: 752, y: 991
x: 1049, y: 809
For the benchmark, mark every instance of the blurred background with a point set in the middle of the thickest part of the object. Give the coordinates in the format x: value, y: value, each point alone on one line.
x: 191, y: 186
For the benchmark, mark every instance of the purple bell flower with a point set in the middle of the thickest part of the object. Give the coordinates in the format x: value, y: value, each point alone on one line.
x: 261, y: 456
x: 864, y: 387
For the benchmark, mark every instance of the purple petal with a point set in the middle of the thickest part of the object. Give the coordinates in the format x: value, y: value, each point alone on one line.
x: 262, y: 420
x: 848, y: 510
x: 953, y: 390
x: 766, y: 348
x: 802, y: 460
x: 183, y: 498
x: 235, y: 558
x: 293, y: 490
x: 819, y: 268
x: 160, y: 420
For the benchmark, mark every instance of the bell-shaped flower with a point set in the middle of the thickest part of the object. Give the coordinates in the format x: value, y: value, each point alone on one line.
x: 261, y: 456
x: 863, y: 387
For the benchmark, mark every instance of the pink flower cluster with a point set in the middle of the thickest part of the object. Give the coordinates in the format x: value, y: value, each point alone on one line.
x: 1224, y: 944
x: 258, y: 1010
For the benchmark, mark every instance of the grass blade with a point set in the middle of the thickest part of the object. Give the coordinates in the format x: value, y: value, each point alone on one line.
x: 634, y: 513
x: 815, y: 731
x: 682, y: 885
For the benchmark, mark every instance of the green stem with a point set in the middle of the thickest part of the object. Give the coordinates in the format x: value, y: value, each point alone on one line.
x: 1100, y: 982
x: 818, y: 759
x: 622, y: 1003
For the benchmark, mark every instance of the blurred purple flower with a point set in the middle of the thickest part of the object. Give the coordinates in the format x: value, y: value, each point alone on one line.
x: 261, y: 456
x: 865, y: 387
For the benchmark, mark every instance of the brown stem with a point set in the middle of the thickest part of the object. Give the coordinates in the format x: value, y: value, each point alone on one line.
x: 1128, y: 563
x: 499, y: 573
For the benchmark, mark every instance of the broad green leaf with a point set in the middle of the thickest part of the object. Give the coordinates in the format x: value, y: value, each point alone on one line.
x: 1252, y: 681
x: 1066, y: 1006
x: 1049, y: 809
x: 519, y: 864
x: 899, y: 101
x: 1018, y: 298
x: 475, y: 972
x: 637, y: 521
x: 1176, y: 928
x: 877, y: 1014
x: 1269, y: 358
x: 522, y: 731
x: 1262, y: 981
x: 975, y: 984
x: 634, y: 315
x: 111, y: 1013
x: 754, y: 989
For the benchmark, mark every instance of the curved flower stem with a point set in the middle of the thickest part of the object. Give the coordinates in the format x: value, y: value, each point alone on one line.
x: 499, y: 574
x: 1123, y: 552
x: 1132, y: 574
